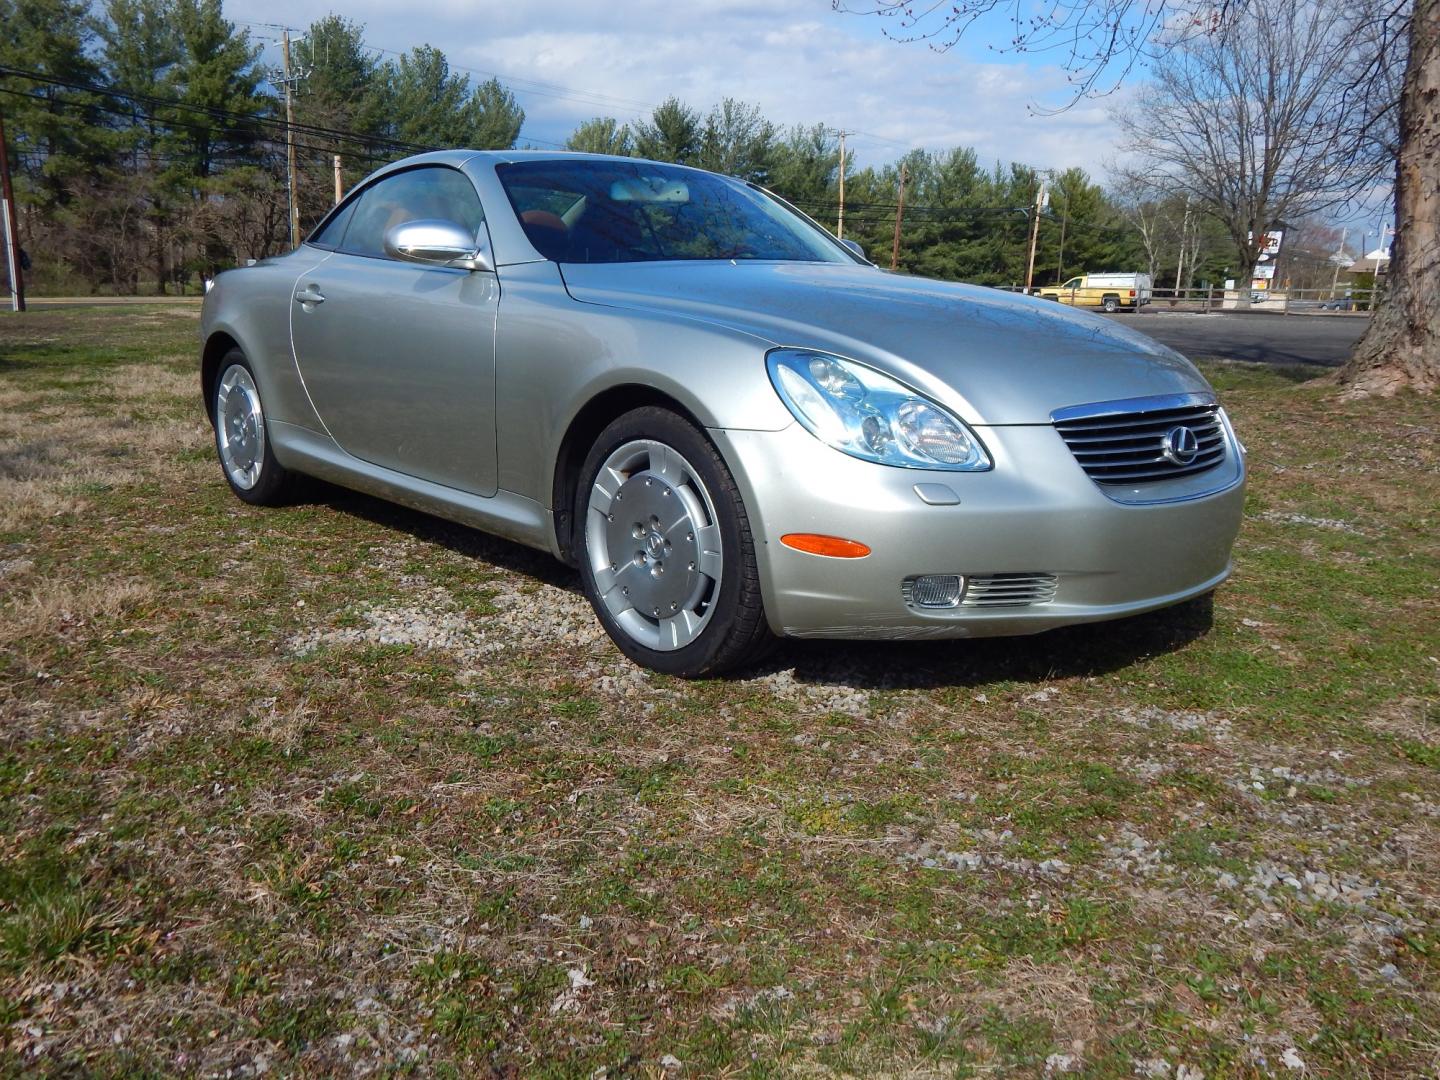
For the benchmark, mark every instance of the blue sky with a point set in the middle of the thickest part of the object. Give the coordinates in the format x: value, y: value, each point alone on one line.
x: 568, y: 60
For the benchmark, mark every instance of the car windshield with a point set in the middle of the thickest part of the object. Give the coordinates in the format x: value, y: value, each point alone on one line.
x: 591, y: 211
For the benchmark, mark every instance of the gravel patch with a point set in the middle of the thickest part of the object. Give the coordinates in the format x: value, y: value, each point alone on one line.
x: 538, y: 613
x: 1153, y: 718
x: 1333, y: 524
x: 823, y: 696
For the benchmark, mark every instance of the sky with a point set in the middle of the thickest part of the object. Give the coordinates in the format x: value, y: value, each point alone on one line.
x: 798, y: 60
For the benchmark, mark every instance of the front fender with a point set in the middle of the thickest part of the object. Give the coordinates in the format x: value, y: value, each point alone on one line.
x: 251, y: 306
x: 555, y: 355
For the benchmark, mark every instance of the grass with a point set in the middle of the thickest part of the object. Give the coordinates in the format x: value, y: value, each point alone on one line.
x: 246, y: 824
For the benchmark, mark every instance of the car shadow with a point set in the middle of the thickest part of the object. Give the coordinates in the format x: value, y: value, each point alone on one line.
x: 1071, y: 652
x: 461, y: 539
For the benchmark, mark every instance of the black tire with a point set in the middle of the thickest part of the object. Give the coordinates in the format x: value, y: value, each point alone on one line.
x: 1111, y: 304
x: 734, y: 632
x: 272, y: 483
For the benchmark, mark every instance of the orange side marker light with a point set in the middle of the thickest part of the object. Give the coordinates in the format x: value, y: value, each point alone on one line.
x: 833, y: 547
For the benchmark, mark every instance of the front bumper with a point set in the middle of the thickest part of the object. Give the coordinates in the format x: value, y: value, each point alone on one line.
x: 1036, y: 512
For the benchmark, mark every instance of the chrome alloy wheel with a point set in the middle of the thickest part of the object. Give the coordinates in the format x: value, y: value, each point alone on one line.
x: 654, y: 546
x: 240, y: 427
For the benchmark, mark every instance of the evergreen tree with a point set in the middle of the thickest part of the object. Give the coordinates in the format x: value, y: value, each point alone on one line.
x: 216, y: 84
x: 737, y: 140
x: 602, y: 135
x: 429, y: 105
x: 673, y: 133
x: 804, y: 165
x: 139, y: 44
x: 58, y: 132
x: 213, y: 128
x: 340, y: 88
x: 493, y: 117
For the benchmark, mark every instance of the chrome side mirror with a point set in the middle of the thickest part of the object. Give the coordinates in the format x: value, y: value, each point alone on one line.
x: 436, y: 243
x: 854, y: 248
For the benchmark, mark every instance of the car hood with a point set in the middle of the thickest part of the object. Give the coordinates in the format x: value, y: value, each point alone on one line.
x: 996, y: 357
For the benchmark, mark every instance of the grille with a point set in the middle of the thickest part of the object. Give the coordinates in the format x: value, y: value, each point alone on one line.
x: 1135, y: 442
x: 1008, y: 590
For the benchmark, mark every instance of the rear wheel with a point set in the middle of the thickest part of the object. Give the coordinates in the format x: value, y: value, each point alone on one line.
x: 242, y: 440
x: 1111, y: 304
x: 666, y: 555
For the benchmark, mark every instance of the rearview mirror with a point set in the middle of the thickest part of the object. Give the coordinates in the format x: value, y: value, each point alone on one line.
x: 435, y: 243
x: 650, y: 189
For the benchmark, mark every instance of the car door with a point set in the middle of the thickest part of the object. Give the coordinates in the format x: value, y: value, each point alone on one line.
x: 399, y: 358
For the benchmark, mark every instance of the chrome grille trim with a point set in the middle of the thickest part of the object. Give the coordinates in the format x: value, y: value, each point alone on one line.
x: 1124, y: 442
x: 1008, y: 590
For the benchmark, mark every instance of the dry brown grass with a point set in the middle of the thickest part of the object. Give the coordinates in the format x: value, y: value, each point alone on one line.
x: 56, y: 609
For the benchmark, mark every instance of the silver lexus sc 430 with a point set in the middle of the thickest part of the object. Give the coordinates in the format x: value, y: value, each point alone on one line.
x: 732, y: 423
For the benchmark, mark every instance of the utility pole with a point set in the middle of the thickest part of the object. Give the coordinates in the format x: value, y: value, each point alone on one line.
x: 1040, y: 202
x: 899, y: 213
x: 339, y: 182
x: 840, y: 222
x: 1060, y: 258
x: 11, y: 229
x: 290, y: 148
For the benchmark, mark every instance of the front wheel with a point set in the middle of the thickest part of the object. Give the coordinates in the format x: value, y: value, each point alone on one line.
x: 666, y: 555
x: 241, y: 438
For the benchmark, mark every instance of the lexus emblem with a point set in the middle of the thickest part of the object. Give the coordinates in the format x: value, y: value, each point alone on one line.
x: 1181, y: 446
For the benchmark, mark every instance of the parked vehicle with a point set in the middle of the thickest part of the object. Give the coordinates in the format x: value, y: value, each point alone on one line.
x: 734, y: 425
x: 1109, y: 292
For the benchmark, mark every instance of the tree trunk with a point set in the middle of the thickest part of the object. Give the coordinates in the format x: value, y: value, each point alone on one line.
x: 1401, y: 347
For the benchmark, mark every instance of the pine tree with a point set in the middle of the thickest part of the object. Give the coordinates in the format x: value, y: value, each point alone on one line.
x: 673, y: 133
x: 602, y: 135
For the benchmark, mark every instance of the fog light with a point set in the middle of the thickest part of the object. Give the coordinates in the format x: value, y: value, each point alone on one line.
x: 934, y: 590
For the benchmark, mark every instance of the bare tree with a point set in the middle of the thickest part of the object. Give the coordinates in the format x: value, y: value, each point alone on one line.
x: 1100, y: 42
x: 1146, y: 215
x: 1245, y: 121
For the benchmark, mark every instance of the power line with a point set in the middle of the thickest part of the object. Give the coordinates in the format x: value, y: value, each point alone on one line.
x: 215, y: 112
x: 864, y: 213
x: 212, y: 111
x: 172, y: 122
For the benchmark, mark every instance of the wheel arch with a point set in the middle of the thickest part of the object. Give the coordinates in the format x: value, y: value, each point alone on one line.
x: 591, y: 419
x: 217, y: 345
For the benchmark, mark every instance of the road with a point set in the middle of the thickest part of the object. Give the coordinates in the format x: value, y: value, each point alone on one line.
x: 1323, y: 340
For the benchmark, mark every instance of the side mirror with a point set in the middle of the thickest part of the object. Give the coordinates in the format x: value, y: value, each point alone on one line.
x: 435, y: 243
x: 854, y: 248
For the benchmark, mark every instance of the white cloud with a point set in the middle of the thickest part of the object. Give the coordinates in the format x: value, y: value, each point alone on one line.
x: 803, y: 64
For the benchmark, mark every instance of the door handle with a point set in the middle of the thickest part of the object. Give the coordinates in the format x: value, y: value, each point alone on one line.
x: 309, y: 295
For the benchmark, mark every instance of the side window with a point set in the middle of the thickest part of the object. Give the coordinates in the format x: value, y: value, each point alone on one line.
x: 332, y: 231
x: 431, y: 191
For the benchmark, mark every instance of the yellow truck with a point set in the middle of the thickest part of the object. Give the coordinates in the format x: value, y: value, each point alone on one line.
x: 1110, y: 292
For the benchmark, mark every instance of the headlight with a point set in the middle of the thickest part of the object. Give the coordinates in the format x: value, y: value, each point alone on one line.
x: 870, y: 416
